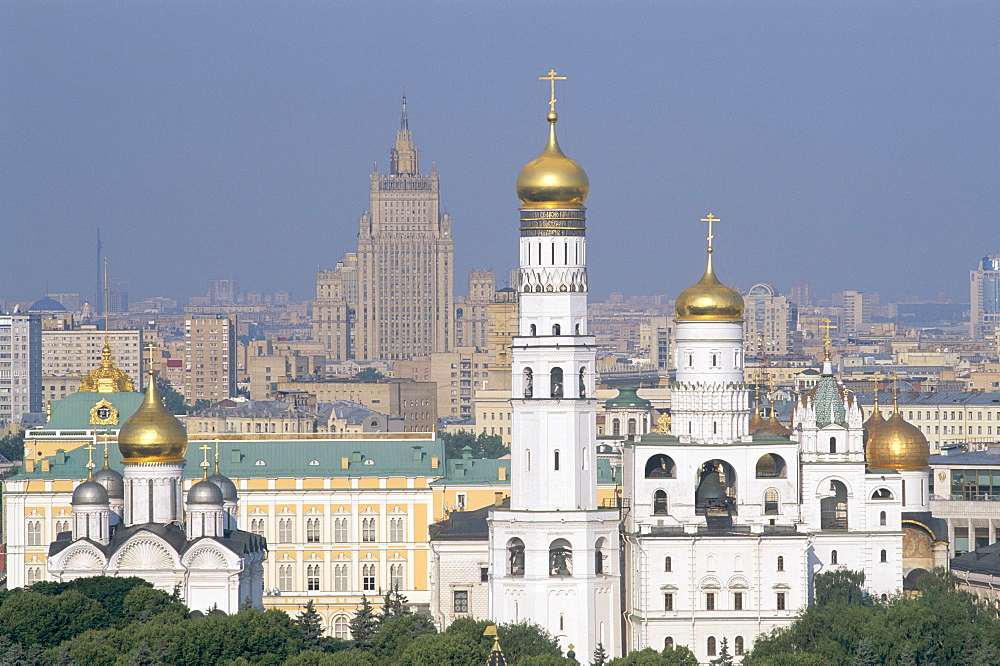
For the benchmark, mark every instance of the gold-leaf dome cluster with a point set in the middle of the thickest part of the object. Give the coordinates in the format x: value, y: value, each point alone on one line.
x: 709, y: 300
x: 106, y: 378
x: 152, y: 434
x: 898, y: 445
x: 552, y: 180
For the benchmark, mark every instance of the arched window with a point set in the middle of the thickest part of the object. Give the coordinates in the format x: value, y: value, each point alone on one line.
x: 557, y: 383
x: 833, y: 445
x: 781, y: 563
x: 599, y: 556
x: 534, y: 330
x: 528, y: 459
x: 528, y: 383
x: 562, y: 626
x: 515, y: 557
x: 583, y: 382
x: 882, y: 494
x: 616, y: 427
x: 771, y: 466
x: 710, y: 647
x: 341, y: 627
x: 578, y: 329
x: 660, y: 503
x: 555, y: 461
x: 738, y: 646
x: 882, y: 518
x: 715, y: 360
x: 668, y: 643
x: 884, y: 556
x: 660, y: 466
x: 833, y: 557
x: 770, y: 502
x: 560, y: 558
x: 556, y: 329
x: 631, y: 427
x: 833, y: 509
x: 668, y: 564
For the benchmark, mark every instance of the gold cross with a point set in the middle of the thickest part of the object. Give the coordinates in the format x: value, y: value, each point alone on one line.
x: 874, y: 379
x: 826, y: 338
x: 710, y: 219
x: 204, y: 463
x: 552, y: 78
x: 90, y: 455
x: 150, y: 348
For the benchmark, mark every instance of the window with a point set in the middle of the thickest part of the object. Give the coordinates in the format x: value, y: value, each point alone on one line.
x: 284, y: 530
x: 62, y: 526
x: 312, y: 530
x: 668, y: 601
x: 668, y: 643
x: 34, y: 575
x: 461, y: 601
x: 882, y: 518
x: 395, y: 576
x: 341, y: 627
x: 556, y: 390
x: 833, y: 557
x: 884, y: 556
x: 771, y: 502
x: 312, y: 577
x: 668, y: 564
x: 484, y: 574
x: 340, y: 530
x: 397, y: 531
x: 710, y: 647
x: 515, y: 549
x: 710, y: 601
x: 780, y: 600
x: 560, y: 558
x: 340, y: 575
x: 368, y: 529
x: 257, y: 526
x: 34, y: 533
x: 660, y: 503
x: 781, y: 563
x: 555, y: 464
x: 738, y: 646
x: 737, y: 601
x: 368, y: 577
x: 833, y: 445
x: 285, y: 577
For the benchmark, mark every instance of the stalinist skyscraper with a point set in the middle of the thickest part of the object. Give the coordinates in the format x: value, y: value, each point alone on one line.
x: 405, y: 261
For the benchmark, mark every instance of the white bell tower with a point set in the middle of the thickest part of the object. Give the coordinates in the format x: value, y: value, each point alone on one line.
x: 554, y: 553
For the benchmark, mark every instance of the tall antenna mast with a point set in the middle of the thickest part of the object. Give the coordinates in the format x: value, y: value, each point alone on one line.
x: 100, y: 250
x: 106, y: 334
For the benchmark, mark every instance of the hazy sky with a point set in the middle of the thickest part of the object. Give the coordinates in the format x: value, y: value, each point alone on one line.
x: 849, y: 144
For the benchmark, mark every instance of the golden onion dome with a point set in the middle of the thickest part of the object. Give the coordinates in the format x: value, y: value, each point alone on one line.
x: 898, y: 445
x: 709, y: 300
x: 775, y: 427
x: 106, y: 378
x: 152, y: 434
x: 874, y: 421
x: 552, y: 180
x: 756, y: 420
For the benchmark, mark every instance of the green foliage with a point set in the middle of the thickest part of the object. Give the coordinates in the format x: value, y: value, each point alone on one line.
x: 546, y: 660
x: 679, y: 655
x: 482, y: 445
x: 311, y: 626
x: 676, y: 656
x: 364, y: 625
x: 724, y: 658
x: 172, y: 399
x: 841, y: 586
x: 600, y: 655
x: 517, y: 641
x: 12, y: 446
x: 398, y: 632
x: 451, y: 649
x: 943, y: 625
x: 32, y: 618
x: 369, y: 375
x: 393, y: 605
x: 343, y: 658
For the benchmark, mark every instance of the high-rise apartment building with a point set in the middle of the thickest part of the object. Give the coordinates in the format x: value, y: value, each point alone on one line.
x: 984, y: 297
x: 334, y: 309
x: 67, y: 356
x: 209, y: 358
x: 470, y: 311
x: 771, y: 322
x: 406, y: 261
x: 20, y: 366
x: 856, y: 310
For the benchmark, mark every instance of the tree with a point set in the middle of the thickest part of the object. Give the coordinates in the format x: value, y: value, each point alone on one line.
x: 865, y: 654
x: 173, y: 400
x: 646, y: 657
x: 451, y: 649
x: 839, y: 586
x: 724, y: 658
x: 311, y: 625
x: 31, y: 618
x: 369, y: 375
x: 397, y: 633
x: 364, y: 625
x: 482, y: 445
x: 679, y: 655
x: 12, y: 446
x: 600, y: 656
x: 393, y: 605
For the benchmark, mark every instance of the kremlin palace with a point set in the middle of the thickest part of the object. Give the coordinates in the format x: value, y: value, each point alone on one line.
x: 694, y: 528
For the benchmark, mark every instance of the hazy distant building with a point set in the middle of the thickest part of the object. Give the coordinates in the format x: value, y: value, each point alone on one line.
x: 470, y: 311
x: 67, y: 356
x: 209, y: 358
x: 801, y: 294
x: 334, y: 309
x: 406, y: 261
x: 771, y: 322
x: 657, y: 335
x: 984, y: 296
x: 20, y: 366
x: 856, y: 310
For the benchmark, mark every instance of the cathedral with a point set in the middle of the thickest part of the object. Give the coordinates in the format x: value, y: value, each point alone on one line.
x: 724, y: 516
x: 138, y: 522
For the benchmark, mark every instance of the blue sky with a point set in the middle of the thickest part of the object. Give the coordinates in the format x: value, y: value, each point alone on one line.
x: 849, y: 144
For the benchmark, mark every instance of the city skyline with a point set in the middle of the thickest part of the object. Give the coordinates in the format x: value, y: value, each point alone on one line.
x: 871, y: 128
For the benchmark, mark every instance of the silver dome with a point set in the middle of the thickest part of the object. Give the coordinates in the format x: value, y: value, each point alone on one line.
x: 205, y: 492
x: 226, y: 485
x: 90, y: 493
x: 112, y: 481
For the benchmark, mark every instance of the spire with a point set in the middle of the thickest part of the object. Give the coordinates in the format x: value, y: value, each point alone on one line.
x: 404, y: 158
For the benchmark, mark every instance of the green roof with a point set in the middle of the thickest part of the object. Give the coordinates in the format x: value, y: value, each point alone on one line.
x: 73, y: 411
x: 280, y: 458
x: 469, y: 471
x: 627, y: 397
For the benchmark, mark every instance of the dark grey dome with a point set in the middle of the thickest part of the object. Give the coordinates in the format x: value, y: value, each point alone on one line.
x: 226, y: 485
x: 112, y: 481
x: 47, y: 305
x: 205, y: 492
x: 90, y: 493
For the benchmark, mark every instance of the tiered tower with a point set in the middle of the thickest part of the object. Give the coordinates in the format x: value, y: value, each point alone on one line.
x: 553, y: 553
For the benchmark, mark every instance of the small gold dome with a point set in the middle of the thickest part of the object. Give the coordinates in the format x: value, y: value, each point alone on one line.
x: 775, y: 427
x: 152, y: 434
x: 756, y: 420
x: 107, y: 378
x: 874, y: 421
x: 552, y: 180
x: 898, y: 445
x: 709, y: 300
